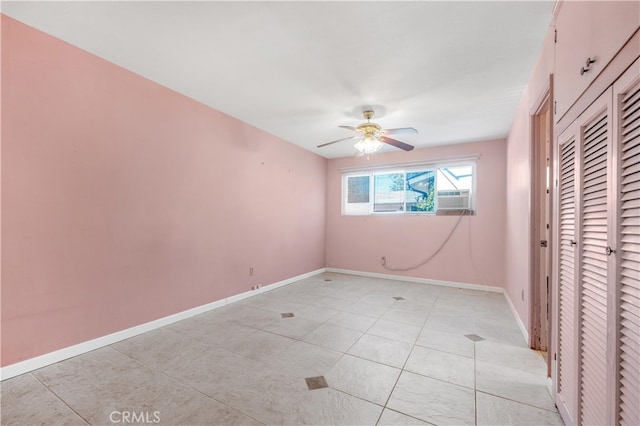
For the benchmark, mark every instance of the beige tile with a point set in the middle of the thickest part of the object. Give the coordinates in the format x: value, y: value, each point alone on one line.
x: 315, y: 313
x: 333, y: 337
x: 451, y: 368
x: 419, y: 298
x: 383, y: 300
x: 89, y: 381
x: 396, y: 331
x: 451, y: 324
x: 412, y: 306
x: 405, y: 317
x: 24, y: 401
x: 219, y: 333
x: 293, y: 327
x: 393, y: 418
x: 380, y: 349
x: 432, y: 400
x: 248, y: 386
x: 301, y: 310
x: 364, y: 379
x: 511, y: 356
x: 330, y: 407
x: 305, y: 360
x: 262, y: 346
x: 509, y: 336
x: 517, y: 385
x: 453, y: 343
x: 104, y: 382
x: 366, y: 309
x: 494, y: 411
x: 333, y: 303
x: 352, y: 321
x: 161, y: 348
x: 251, y: 316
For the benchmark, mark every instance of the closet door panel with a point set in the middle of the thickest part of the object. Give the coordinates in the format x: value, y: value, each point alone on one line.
x: 567, y: 386
x: 595, y: 138
x: 627, y: 95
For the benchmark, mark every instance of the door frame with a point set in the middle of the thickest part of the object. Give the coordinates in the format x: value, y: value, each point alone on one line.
x: 542, y: 105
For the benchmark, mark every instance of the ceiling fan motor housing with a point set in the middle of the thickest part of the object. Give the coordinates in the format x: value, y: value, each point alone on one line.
x: 369, y: 129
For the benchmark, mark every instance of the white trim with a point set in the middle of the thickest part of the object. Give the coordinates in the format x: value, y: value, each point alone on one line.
x: 420, y: 163
x: 521, y: 326
x: 418, y: 280
x: 41, y: 361
x: 550, y: 386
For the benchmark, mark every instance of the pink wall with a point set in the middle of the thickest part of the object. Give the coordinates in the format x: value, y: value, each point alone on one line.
x: 518, y: 238
x: 124, y: 202
x: 358, y: 242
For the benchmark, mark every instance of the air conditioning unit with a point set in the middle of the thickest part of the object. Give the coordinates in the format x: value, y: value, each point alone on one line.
x: 459, y: 199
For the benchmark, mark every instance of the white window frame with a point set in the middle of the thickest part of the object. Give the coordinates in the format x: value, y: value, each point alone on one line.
x: 368, y: 208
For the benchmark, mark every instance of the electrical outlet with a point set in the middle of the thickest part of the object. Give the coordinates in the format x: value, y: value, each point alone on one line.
x: 251, y: 271
x: 383, y: 260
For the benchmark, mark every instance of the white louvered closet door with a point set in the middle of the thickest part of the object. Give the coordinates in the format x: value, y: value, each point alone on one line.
x: 627, y: 93
x: 593, y: 261
x: 598, y: 278
x: 567, y: 363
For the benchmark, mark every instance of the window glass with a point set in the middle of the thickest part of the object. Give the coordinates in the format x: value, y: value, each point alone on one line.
x: 358, y: 189
x: 452, y: 178
x: 420, y: 193
x: 388, y: 192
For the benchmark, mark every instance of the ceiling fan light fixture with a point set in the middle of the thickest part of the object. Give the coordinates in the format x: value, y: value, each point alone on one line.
x: 371, y: 137
x: 368, y: 145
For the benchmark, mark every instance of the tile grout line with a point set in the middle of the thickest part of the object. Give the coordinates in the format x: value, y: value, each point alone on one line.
x: 518, y: 402
x: 59, y: 397
x: 402, y: 370
x: 475, y: 385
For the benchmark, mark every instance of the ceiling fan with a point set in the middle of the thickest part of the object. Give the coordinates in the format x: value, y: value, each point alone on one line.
x: 371, y: 136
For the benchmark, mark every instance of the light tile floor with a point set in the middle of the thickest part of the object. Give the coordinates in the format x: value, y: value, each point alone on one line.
x: 386, y: 361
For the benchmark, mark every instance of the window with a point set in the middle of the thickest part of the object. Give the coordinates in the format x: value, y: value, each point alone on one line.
x: 414, y: 190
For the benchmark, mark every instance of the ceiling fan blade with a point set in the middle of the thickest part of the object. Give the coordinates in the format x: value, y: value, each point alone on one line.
x: 348, y: 127
x: 397, y: 144
x: 399, y: 131
x: 339, y: 140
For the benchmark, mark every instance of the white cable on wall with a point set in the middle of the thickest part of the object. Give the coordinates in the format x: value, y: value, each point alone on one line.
x: 439, y: 249
x: 428, y: 259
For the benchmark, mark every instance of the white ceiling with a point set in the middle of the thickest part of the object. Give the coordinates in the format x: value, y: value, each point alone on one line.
x: 453, y: 70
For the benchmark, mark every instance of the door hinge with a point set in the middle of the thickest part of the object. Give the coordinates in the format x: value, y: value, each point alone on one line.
x: 555, y: 36
x: 555, y: 357
x: 555, y: 107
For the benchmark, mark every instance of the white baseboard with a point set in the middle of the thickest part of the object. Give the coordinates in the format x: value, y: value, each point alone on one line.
x: 521, y: 326
x: 35, y: 363
x: 418, y: 280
